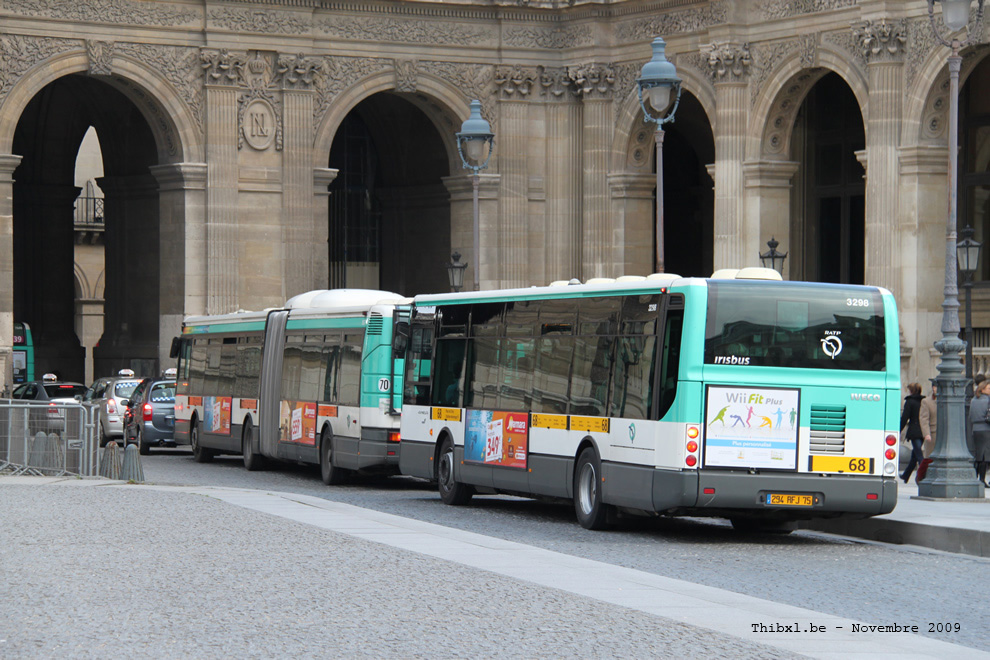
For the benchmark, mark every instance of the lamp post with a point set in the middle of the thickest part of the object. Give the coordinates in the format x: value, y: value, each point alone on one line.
x: 455, y: 272
x: 951, y: 473
x: 773, y: 259
x: 968, y: 256
x: 474, y: 144
x: 656, y: 81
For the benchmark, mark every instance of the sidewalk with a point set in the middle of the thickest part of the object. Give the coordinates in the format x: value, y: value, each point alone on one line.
x: 962, y: 527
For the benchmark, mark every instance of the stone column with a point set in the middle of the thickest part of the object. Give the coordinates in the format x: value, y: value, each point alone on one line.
x: 182, y: 234
x: 737, y: 237
x: 461, y: 190
x: 882, y: 43
x: 322, y: 178
x: 634, y: 220
x: 768, y: 202
x: 8, y: 163
x: 507, y: 253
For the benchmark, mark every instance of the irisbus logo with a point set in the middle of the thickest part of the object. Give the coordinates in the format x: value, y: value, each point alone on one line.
x: 858, y: 396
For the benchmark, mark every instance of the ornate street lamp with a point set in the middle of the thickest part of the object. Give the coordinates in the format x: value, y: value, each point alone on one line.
x: 968, y: 256
x: 773, y: 259
x: 474, y: 144
x: 455, y: 272
x: 657, y: 81
x: 951, y: 473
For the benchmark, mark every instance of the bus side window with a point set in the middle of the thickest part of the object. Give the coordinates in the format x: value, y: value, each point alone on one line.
x: 449, y: 377
x: 670, y: 357
x: 418, y: 365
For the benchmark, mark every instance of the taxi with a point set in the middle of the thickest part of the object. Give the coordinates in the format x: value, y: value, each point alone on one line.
x: 110, y: 396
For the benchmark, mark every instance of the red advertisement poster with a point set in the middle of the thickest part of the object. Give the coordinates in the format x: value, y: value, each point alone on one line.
x: 297, y: 422
x: 216, y: 414
x: 497, y: 438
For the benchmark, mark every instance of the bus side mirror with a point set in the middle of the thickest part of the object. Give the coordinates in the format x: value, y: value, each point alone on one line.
x: 174, y: 350
x: 400, y: 341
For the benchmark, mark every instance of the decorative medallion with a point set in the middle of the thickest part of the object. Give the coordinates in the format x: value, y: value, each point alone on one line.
x: 258, y: 124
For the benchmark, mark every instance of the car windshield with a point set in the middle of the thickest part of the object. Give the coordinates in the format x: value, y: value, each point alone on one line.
x: 162, y: 393
x: 64, y: 390
x: 125, y: 388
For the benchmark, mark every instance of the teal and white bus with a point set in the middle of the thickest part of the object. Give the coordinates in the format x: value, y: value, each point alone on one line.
x: 310, y: 382
x: 739, y: 396
x: 23, y: 353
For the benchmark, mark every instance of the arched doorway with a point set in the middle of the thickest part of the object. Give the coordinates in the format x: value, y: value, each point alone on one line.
x: 48, y: 137
x: 828, y: 133
x: 389, y: 218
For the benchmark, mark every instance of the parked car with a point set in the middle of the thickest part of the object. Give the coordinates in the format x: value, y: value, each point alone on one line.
x: 108, y: 395
x: 150, y: 416
x: 53, y: 391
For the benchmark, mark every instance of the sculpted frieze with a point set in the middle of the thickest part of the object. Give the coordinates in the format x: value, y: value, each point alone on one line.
x: 18, y: 54
x: 773, y: 9
x: 689, y: 20
x: 411, y: 31
x: 549, y: 38
x: 264, y: 21
x: 881, y: 41
x: 105, y: 11
x: 100, y: 55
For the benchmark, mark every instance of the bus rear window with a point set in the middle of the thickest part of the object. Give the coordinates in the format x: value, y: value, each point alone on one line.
x: 794, y: 325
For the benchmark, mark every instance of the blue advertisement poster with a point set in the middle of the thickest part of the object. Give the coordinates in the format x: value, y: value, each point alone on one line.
x: 751, y: 427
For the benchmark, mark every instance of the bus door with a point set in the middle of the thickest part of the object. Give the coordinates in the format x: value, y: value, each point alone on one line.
x: 400, y: 342
x: 270, y: 390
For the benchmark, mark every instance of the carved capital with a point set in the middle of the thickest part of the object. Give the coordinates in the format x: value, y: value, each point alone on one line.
x: 513, y: 82
x: 297, y: 71
x: 406, y: 75
x: 554, y: 83
x: 222, y: 67
x: 881, y: 41
x: 729, y: 62
x: 593, y: 80
x: 100, y: 55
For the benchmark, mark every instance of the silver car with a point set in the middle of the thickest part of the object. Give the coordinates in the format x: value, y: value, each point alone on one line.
x: 108, y: 395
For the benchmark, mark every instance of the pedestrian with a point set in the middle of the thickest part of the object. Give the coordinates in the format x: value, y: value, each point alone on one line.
x: 911, y: 426
x: 927, y: 418
x: 981, y: 430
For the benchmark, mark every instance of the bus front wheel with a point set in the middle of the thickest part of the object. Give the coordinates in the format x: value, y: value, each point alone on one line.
x: 332, y: 475
x: 451, y: 491
x: 592, y: 513
x: 200, y: 453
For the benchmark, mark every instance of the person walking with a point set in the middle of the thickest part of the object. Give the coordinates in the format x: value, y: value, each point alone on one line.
x: 910, y: 422
x: 927, y: 418
x: 981, y: 430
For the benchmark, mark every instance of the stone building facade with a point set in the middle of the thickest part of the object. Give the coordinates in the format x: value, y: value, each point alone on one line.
x: 255, y: 150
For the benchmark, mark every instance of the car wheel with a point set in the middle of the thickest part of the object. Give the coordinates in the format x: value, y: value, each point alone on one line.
x: 104, y: 438
x: 591, y: 512
x: 143, y: 447
x: 200, y: 453
x: 331, y: 474
x: 252, y: 461
x: 451, y: 491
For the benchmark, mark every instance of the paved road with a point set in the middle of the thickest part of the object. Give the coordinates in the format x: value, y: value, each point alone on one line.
x: 845, y: 577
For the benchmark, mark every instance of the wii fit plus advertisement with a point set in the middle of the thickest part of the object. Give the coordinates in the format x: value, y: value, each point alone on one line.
x: 751, y: 427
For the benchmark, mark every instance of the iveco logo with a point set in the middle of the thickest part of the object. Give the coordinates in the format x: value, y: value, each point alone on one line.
x: 865, y: 397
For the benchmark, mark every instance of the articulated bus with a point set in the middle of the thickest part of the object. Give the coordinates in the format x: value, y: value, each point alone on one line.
x: 739, y: 396
x: 23, y: 353
x: 310, y: 383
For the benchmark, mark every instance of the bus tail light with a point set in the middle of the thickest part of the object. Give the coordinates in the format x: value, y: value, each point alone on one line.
x: 872, y: 496
x: 146, y: 411
x: 393, y: 436
x: 691, y: 460
x: 890, y: 454
x: 693, y: 431
x: 891, y: 440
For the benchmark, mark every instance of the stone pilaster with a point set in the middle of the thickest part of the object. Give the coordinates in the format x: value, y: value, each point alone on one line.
x: 505, y: 251
x: 736, y: 235
x: 300, y: 250
x: 882, y: 43
x: 768, y: 186
x: 8, y: 163
x: 461, y: 190
x: 634, y: 219
x: 322, y: 178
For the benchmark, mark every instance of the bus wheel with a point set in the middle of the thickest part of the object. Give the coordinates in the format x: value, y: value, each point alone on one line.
x: 591, y: 512
x: 332, y: 475
x: 755, y: 525
x: 252, y: 461
x: 451, y: 491
x: 200, y: 453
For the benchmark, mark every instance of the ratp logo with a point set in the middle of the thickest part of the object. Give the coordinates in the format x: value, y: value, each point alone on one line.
x: 831, y: 346
x: 632, y: 433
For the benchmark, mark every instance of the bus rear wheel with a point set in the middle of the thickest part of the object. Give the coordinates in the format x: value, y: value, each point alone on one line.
x: 451, y: 491
x: 760, y: 526
x: 252, y: 461
x: 200, y: 453
x: 331, y: 474
x: 592, y: 513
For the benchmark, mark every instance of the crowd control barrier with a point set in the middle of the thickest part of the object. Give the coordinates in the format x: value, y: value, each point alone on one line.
x: 48, y: 439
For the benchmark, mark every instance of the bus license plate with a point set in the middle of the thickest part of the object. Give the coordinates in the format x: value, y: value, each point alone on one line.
x: 790, y: 499
x: 844, y: 464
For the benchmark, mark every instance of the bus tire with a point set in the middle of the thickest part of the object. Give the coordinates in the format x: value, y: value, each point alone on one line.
x: 200, y: 453
x: 758, y: 526
x: 591, y: 512
x: 451, y: 491
x: 331, y: 474
x: 252, y: 461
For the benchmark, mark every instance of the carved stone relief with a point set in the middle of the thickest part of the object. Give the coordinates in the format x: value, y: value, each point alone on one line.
x: 673, y: 22
x: 849, y: 42
x: 593, y: 80
x: 550, y: 38
x: 514, y: 82
x: 766, y: 58
x: 341, y: 73
x: 729, y: 62
x: 881, y: 41
x: 554, y: 83
x: 259, y: 110
x: 642, y: 145
x: 257, y: 20
x: 162, y: 124
x: 222, y: 67
x: 412, y: 31
x: 922, y: 42
x: 297, y: 71
x: 773, y: 9
x: 19, y: 54
x: 784, y: 110
x: 177, y: 65
x: 808, y: 48
x: 100, y: 55
x: 105, y: 11
x: 405, y: 76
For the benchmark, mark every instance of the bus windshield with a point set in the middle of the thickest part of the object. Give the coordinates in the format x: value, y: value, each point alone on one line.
x: 799, y: 325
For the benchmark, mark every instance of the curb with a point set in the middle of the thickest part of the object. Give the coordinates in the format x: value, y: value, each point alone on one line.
x: 947, y: 539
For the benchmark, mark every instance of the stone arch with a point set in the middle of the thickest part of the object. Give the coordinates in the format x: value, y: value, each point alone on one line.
x: 776, y: 108
x: 925, y: 115
x: 82, y: 283
x: 442, y: 103
x: 165, y: 111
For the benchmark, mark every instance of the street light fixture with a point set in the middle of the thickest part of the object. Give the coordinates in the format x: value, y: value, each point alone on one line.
x: 455, y: 272
x: 968, y: 256
x: 951, y: 474
x: 773, y: 259
x: 474, y: 144
x: 657, y: 81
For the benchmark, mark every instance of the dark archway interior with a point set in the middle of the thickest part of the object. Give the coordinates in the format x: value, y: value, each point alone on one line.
x: 688, y: 191
x: 47, y: 137
x: 835, y: 193
x: 389, y: 224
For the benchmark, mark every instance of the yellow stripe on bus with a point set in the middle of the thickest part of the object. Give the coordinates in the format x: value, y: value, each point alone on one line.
x: 446, y: 414
x: 550, y: 421
x: 596, y: 424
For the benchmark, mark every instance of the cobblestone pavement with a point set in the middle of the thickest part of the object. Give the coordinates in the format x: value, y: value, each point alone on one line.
x: 187, y: 576
x: 868, y: 582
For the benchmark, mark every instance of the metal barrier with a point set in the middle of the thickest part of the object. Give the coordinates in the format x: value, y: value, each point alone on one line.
x: 53, y: 439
